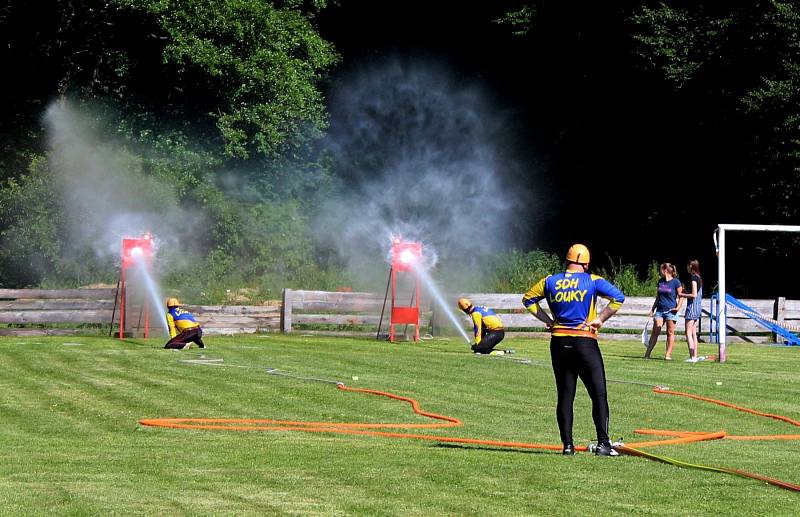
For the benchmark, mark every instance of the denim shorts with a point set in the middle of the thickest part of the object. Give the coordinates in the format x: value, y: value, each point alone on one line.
x: 666, y: 315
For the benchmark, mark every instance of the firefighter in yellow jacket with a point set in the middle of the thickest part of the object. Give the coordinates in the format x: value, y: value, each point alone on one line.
x: 487, y: 327
x: 183, y: 328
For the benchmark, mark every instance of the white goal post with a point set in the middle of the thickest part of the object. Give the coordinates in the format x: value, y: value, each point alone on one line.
x: 719, y: 241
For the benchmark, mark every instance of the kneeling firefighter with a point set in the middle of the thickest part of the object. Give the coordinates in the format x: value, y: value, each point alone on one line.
x: 183, y: 327
x: 487, y: 327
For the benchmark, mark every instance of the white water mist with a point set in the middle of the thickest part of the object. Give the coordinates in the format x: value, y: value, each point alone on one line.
x: 153, y: 292
x: 105, y: 190
x: 433, y: 290
x: 423, y: 153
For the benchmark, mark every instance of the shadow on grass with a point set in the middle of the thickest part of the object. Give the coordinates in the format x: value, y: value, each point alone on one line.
x: 491, y: 449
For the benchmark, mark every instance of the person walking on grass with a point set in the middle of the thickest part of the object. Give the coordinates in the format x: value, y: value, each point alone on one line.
x: 665, y: 309
x: 572, y: 298
x: 183, y: 328
x: 694, y: 306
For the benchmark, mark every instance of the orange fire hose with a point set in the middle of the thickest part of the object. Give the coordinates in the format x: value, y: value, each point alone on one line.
x: 368, y: 429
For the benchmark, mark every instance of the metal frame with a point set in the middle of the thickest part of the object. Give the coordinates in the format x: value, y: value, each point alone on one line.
x: 719, y: 242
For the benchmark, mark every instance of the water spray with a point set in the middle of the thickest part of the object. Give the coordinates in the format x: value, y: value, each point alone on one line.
x: 437, y: 295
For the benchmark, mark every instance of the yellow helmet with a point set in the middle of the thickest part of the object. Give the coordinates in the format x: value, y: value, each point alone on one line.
x: 578, y: 253
x: 464, y: 304
x: 173, y: 302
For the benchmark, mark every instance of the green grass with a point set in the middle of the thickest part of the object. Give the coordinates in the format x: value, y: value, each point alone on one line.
x: 72, y: 443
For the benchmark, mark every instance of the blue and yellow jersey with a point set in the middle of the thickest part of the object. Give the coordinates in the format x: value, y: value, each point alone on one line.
x: 179, y: 320
x: 572, y: 298
x: 483, y: 317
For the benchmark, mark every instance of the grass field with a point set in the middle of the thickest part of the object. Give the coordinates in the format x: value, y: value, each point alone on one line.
x: 72, y: 443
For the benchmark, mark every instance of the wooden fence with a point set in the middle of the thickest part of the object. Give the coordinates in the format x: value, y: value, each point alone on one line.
x: 359, y: 314
x: 343, y: 313
x: 69, y: 311
x: 38, y: 312
x: 633, y: 316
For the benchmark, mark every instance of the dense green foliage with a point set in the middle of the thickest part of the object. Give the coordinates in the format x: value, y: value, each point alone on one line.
x: 515, y: 272
x: 73, y: 446
x: 742, y: 64
x: 213, y: 108
x: 213, y: 112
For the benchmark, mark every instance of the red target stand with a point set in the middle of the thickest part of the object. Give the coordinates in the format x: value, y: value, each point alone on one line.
x: 136, y: 253
x: 403, y: 278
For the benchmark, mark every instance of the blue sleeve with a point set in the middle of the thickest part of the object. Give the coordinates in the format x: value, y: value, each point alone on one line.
x: 609, y: 291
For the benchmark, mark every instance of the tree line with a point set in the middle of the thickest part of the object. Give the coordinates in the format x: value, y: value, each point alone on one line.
x: 221, y: 105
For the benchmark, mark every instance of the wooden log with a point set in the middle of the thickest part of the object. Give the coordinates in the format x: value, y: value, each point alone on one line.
x: 91, y: 294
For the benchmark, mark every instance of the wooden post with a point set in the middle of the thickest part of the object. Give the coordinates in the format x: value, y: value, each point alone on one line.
x: 286, y: 311
x: 779, y: 315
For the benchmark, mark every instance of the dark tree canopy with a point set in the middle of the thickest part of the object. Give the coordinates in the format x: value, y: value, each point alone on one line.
x: 243, y: 74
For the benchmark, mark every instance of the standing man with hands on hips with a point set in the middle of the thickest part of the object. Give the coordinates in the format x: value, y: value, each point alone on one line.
x: 572, y: 298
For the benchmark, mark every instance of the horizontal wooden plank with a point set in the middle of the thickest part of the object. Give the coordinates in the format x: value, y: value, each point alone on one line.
x: 336, y: 319
x: 238, y: 321
x: 203, y: 317
x: 28, y: 332
x: 618, y: 322
x: 336, y: 333
x: 345, y: 319
x: 92, y: 294
x: 344, y: 302
x: 362, y: 305
x: 50, y: 305
x: 632, y: 305
x: 300, y: 296
x: 226, y: 331
x: 606, y: 337
x: 492, y: 300
x: 792, y: 306
x: 21, y: 317
x: 270, y: 310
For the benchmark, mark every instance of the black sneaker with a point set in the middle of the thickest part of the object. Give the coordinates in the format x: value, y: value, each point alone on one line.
x: 605, y: 449
x: 569, y: 450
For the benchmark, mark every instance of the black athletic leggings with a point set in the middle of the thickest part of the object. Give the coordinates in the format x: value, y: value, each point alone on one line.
x: 489, y: 340
x: 573, y: 358
x: 192, y: 335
